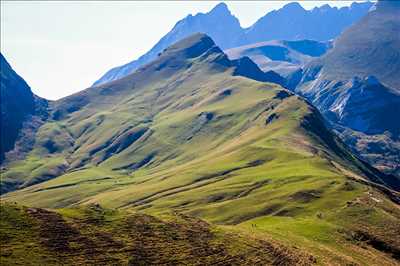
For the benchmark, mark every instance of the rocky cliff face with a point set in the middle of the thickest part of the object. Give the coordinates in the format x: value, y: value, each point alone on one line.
x: 356, y: 86
x: 18, y: 105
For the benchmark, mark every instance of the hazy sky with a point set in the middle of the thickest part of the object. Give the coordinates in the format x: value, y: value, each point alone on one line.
x: 62, y: 47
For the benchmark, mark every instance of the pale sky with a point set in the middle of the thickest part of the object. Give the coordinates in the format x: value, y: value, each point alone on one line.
x: 62, y: 47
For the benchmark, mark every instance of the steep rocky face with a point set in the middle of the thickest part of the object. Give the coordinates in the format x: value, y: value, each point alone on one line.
x: 363, y: 105
x: 291, y: 22
x: 356, y: 86
x: 22, y: 113
x: 17, y: 103
x: 368, y: 48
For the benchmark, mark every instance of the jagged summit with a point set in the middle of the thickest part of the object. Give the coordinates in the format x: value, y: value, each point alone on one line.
x: 293, y: 6
x: 291, y: 22
x: 219, y: 24
x: 219, y: 9
x: 179, y: 56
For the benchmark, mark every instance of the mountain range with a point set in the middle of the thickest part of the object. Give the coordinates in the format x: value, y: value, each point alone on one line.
x: 194, y: 132
x: 356, y: 86
x: 278, y: 152
x: 291, y: 22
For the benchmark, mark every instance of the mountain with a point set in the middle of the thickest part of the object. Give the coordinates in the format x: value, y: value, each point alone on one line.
x: 283, y: 57
x: 18, y: 105
x: 356, y: 85
x: 319, y: 24
x: 353, y: 55
x: 293, y: 22
x: 191, y: 133
x: 219, y: 24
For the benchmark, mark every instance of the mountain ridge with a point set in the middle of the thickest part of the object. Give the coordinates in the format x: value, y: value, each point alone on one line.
x: 177, y: 60
x: 185, y: 133
x: 232, y: 34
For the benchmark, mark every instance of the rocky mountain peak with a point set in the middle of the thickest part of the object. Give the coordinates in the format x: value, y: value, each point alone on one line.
x: 220, y: 9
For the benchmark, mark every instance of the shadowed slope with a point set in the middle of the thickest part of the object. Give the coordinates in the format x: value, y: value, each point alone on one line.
x: 370, y: 47
x: 356, y: 86
x: 18, y: 105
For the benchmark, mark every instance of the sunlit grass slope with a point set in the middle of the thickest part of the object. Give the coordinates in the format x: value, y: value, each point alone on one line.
x: 97, y: 236
x: 189, y: 133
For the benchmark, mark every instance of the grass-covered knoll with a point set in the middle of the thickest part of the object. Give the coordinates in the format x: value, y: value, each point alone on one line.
x: 97, y: 236
x: 188, y: 133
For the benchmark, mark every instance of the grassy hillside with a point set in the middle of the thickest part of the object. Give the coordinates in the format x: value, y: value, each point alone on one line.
x: 97, y: 236
x: 188, y: 133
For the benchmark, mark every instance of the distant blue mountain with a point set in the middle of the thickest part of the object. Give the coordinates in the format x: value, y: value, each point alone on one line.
x: 291, y: 22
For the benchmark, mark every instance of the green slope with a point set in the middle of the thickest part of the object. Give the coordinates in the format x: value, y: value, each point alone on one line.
x: 188, y: 133
x: 97, y: 236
